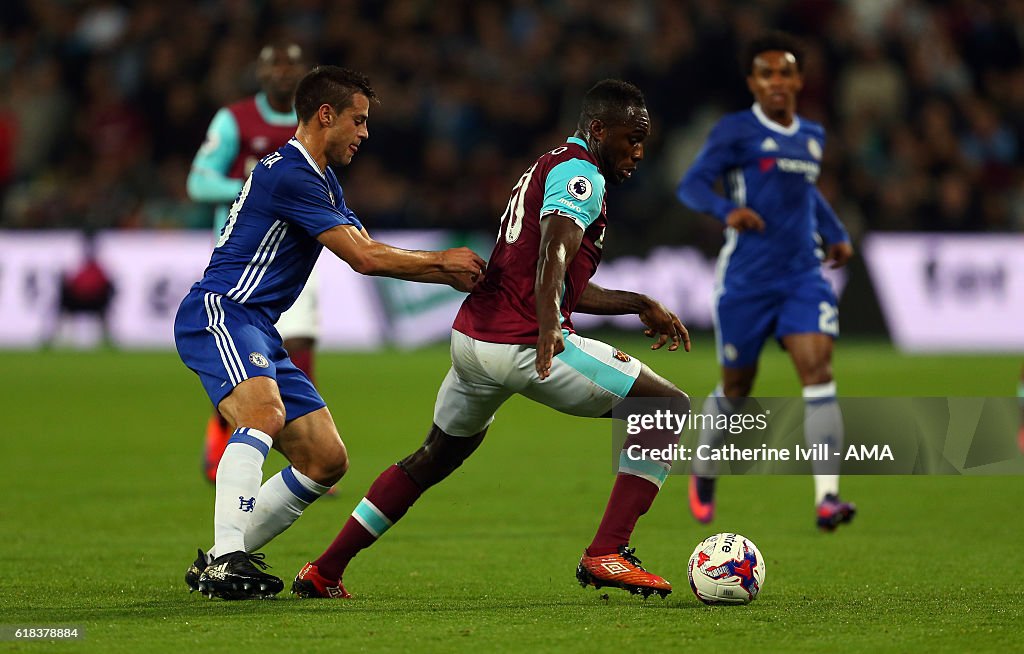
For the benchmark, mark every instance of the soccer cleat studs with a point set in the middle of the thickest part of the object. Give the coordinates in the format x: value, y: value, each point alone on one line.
x: 239, y: 576
x: 620, y: 570
x: 309, y: 583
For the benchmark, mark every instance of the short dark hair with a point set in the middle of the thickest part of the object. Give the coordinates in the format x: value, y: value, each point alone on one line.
x: 331, y: 85
x: 780, y: 41
x: 610, y: 101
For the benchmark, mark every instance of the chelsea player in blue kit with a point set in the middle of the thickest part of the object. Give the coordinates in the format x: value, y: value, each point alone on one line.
x: 289, y: 208
x: 769, y: 280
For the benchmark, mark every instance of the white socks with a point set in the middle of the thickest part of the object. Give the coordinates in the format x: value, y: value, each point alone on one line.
x: 716, y: 404
x: 280, y: 502
x: 238, y: 484
x: 823, y: 423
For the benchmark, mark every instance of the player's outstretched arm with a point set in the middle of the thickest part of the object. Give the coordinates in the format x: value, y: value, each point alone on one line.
x: 369, y: 257
x: 604, y: 302
x: 697, y: 187
x: 840, y: 251
x: 560, y: 239
x: 658, y: 319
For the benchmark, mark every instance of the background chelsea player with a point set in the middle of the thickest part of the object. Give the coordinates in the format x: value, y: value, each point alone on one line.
x: 769, y: 280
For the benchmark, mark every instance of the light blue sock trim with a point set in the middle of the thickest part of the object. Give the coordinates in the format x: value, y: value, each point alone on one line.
x: 607, y: 377
x: 653, y: 471
x: 370, y: 517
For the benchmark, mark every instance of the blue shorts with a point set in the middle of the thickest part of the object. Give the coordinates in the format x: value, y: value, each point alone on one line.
x: 226, y: 343
x: 745, y: 318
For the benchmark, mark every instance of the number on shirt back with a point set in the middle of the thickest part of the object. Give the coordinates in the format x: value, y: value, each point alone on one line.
x: 516, y: 209
x: 236, y: 206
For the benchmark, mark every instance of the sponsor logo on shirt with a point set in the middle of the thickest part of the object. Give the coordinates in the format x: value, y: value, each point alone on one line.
x: 569, y: 203
x: 814, y: 148
x: 809, y: 169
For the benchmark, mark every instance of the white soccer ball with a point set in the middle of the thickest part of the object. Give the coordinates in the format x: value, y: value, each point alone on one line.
x: 726, y: 569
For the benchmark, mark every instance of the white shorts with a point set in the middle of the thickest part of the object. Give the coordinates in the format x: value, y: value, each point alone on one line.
x: 302, y: 319
x: 587, y: 379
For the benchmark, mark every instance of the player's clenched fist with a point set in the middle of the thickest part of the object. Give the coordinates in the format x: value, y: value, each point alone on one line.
x: 550, y: 343
x: 743, y: 218
x: 839, y: 254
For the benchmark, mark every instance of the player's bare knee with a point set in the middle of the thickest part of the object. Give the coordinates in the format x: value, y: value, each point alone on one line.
x: 737, y: 388
x: 270, y: 418
x: 819, y: 373
x: 439, y: 456
x: 327, y: 465
x: 267, y: 417
x: 335, y: 468
x: 430, y: 464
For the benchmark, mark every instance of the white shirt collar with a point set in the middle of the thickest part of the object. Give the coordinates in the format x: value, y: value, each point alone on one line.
x: 294, y: 142
x: 774, y: 126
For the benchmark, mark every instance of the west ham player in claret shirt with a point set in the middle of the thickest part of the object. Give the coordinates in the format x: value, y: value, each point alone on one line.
x: 514, y: 334
x: 769, y: 280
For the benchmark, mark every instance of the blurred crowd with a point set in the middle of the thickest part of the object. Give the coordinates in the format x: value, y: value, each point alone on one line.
x: 103, y: 104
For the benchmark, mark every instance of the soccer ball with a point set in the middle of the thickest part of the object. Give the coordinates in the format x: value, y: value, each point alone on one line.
x: 726, y: 569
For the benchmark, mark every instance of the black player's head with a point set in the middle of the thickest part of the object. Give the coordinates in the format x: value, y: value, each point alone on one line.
x: 337, y: 100
x: 614, y: 123
x: 772, y: 64
x: 771, y: 42
x: 279, y: 67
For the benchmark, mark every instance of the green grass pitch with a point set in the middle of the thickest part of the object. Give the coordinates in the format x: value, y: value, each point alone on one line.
x: 103, y: 507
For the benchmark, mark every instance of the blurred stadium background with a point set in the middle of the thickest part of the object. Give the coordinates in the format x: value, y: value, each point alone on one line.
x: 103, y: 107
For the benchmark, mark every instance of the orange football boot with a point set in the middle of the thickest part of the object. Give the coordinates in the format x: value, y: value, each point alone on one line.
x: 308, y: 583
x: 620, y: 570
x: 218, y: 433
